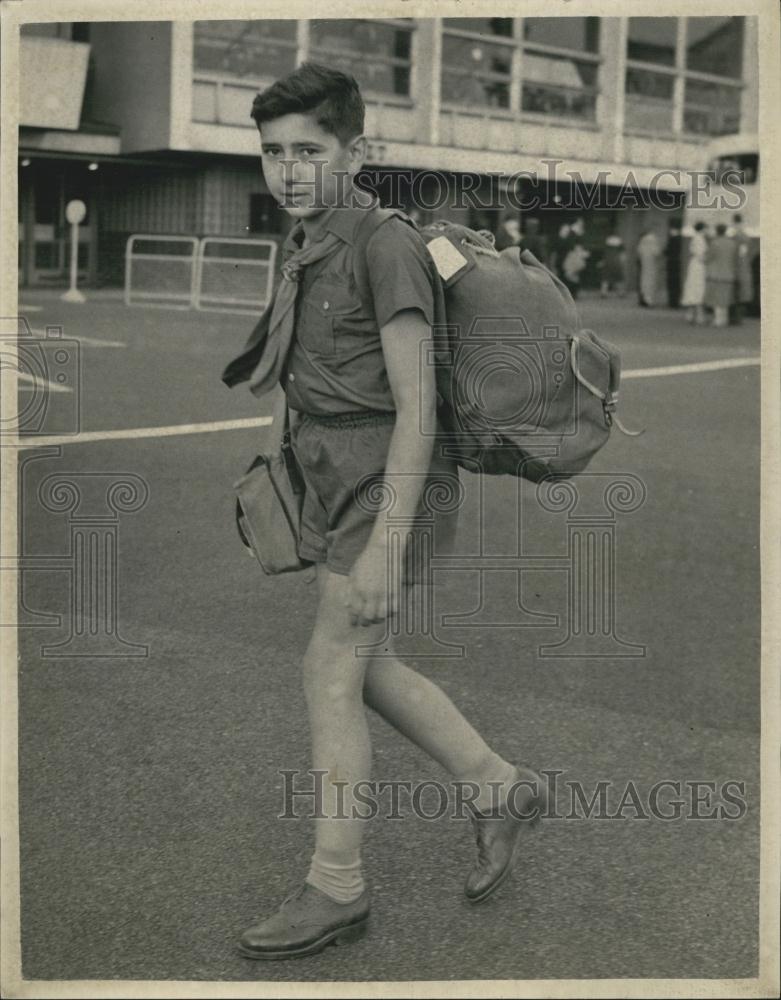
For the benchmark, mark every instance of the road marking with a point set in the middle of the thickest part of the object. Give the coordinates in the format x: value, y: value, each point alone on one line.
x: 30, y: 309
x: 174, y: 430
x: 134, y: 433
x: 36, y: 382
x: 700, y: 366
x: 92, y: 341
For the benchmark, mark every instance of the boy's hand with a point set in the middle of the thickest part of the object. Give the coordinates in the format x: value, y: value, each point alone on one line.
x: 371, y: 596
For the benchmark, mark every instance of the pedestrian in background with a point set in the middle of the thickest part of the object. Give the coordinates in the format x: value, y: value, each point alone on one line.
x: 694, y: 287
x: 613, y: 268
x: 648, y: 253
x: 562, y: 245
x: 509, y: 234
x: 572, y: 268
x: 673, y: 265
x: 744, y: 283
x: 533, y: 240
x: 721, y: 272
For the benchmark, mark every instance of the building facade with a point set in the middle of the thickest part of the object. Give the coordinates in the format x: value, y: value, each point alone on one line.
x: 149, y: 122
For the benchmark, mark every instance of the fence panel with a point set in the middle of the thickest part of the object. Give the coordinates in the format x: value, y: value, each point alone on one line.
x: 234, y: 275
x: 161, y: 270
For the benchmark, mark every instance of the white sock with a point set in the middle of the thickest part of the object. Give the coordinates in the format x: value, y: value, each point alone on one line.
x: 337, y: 874
x: 494, y: 795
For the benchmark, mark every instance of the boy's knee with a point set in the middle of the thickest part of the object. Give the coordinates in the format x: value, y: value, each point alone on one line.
x: 332, y: 673
x: 324, y: 686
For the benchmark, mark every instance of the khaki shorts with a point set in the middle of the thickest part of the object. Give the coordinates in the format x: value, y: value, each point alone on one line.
x: 342, y: 459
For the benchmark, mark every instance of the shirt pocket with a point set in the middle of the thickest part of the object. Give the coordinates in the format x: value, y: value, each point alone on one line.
x: 330, y: 301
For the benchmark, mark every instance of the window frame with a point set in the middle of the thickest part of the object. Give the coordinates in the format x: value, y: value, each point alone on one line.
x: 680, y: 74
x: 509, y: 43
x: 259, y: 81
x: 375, y: 96
x: 518, y: 47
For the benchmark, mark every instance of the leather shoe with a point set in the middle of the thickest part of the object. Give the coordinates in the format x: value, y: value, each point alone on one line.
x: 498, y: 833
x: 305, y: 923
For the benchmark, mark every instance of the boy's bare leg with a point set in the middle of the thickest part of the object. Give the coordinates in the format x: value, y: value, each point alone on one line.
x: 333, y: 686
x: 422, y: 712
x: 336, y: 684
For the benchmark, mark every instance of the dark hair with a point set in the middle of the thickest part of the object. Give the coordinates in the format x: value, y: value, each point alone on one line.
x: 699, y: 226
x: 721, y: 229
x: 331, y: 97
x: 737, y: 218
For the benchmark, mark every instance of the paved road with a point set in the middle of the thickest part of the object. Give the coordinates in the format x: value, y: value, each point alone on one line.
x: 149, y: 785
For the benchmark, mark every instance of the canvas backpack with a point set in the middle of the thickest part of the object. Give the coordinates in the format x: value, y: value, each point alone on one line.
x: 522, y: 389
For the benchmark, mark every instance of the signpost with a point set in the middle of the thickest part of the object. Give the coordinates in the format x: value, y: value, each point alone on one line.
x: 75, y: 211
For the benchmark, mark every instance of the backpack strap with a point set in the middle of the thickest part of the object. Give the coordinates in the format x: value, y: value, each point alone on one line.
x: 369, y: 225
x: 609, y: 398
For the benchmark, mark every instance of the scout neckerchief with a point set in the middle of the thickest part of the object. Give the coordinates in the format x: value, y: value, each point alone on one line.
x: 265, y: 353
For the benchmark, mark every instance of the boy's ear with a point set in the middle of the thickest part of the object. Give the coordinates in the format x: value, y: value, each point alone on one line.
x: 357, y: 149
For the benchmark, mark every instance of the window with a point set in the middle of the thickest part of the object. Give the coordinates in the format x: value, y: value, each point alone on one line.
x: 580, y: 34
x: 560, y: 66
x: 652, y: 40
x: 649, y: 99
x: 715, y: 45
x: 697, y: 72
x: 476, y: 69
x: 710, y: 109
x: 253, y: 49
x: 377, y: 53
x: 745, y: 164
x: 501, y: 26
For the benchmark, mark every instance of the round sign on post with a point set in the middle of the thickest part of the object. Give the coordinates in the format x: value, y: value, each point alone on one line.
x: 75, y: 213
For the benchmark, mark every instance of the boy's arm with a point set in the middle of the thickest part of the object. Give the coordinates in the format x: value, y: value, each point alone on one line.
x: 414, y: 391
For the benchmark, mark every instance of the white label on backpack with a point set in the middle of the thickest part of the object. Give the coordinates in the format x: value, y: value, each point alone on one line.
x: 447, y: 259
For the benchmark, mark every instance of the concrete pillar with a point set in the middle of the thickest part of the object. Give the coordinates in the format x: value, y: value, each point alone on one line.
x: 749, y: 101
x: 425, y: 85
x: 610, y: 103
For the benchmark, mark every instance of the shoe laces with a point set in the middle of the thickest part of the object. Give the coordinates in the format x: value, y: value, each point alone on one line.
x: 481, y: 827
x: 293, y: 896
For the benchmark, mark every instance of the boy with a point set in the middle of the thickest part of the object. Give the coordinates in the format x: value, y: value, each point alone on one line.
x: 353, y: 377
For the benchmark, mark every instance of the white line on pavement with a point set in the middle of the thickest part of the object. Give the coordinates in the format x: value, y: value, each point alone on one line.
x: 173, y: 430
x: 133, y: 433
x: 700, y: 366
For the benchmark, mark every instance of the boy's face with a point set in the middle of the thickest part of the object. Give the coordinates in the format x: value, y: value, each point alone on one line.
x: 307, y: 169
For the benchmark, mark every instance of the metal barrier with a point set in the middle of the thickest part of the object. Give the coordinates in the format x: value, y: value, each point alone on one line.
x: 234, y: 275
x: 183, y: 272
x: 161, y: 270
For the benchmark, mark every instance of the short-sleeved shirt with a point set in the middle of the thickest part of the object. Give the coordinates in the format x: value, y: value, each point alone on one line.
x: 337, y: 327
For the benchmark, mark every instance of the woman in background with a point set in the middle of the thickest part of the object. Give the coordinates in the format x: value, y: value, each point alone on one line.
x: 648, y: 253
x: 613, y: 275
x: 721, y: 273
x: 694, y: 288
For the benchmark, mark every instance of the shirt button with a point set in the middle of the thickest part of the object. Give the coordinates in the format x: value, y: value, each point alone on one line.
x: 291, y: 378
x: 326, y: 304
